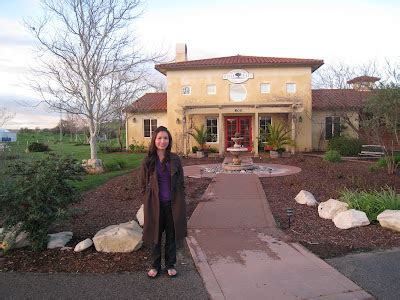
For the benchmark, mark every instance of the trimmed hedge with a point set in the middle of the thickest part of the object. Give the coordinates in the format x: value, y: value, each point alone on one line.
x: 346, y: 146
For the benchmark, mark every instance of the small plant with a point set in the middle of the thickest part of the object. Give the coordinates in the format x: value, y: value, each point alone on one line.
x: 332, y: 156
x: 346, y: 146
x: 373, y: 168
x: 37, y: 193
x: 200, y: 136
x: 373, y: 202
x: 37, y: 147
x: 109, y: 149
x: 213, y: 150
x: 277, y: 136
x: 195, y: 149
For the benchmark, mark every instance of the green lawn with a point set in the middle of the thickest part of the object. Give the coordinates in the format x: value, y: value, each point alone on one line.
x: 128, y: 161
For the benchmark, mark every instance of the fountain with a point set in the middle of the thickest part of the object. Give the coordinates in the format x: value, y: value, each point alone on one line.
x: 237, y: 164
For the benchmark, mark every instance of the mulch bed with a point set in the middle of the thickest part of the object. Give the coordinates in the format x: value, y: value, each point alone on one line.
x: 118, y: 200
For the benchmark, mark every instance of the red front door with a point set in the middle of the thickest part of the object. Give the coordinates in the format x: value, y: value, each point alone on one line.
x: 241, y: 125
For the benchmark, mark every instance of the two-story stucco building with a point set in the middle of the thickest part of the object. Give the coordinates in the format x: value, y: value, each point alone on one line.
x: 240, y: 94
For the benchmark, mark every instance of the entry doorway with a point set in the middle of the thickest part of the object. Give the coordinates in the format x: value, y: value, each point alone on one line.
x: 241, y: 124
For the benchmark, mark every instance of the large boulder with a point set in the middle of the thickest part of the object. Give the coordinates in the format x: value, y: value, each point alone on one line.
x: 329, y: 209
x: 140, y: 215
x: 305, y: 197
x: 125, y: 237
x: 59, y: 240
x: 83, y: 245
x: 350, y: 218
x: 390, y: 219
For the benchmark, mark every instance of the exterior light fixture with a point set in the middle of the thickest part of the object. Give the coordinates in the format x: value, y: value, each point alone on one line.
x: 178, y: 121
x: 134, y: 120
x: 289, y: 213
x: 300, y: 119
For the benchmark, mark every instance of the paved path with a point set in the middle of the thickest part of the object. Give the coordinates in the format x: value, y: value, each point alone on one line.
x: 240, y: 254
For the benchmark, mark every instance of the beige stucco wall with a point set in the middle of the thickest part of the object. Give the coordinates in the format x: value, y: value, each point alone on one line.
x: 277, y: 77
x: 318, y: 131
x: 135, y: 128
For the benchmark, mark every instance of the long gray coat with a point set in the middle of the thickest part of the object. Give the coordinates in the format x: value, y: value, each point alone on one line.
x: 149, y: 185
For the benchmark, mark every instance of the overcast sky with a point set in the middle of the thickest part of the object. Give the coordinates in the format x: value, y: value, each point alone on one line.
x: 350, y: 31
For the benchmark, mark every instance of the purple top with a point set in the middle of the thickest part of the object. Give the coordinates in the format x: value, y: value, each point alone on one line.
x: 164, y: 182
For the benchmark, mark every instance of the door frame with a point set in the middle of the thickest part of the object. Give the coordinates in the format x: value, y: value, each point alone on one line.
x: 250, y: 147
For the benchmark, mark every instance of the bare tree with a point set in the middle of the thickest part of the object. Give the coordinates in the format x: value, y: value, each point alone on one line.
x: 5, y: 116
x: 89, y: 60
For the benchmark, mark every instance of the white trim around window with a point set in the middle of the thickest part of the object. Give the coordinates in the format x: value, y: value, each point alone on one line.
x: 291, y: 88
x: 149, y: 126
x: 211, y: 89
x: 186, y: 90
x: 265, y: 88
x: 212, y: 126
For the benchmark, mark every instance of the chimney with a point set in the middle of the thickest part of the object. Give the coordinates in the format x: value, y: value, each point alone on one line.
x: 181, y: 52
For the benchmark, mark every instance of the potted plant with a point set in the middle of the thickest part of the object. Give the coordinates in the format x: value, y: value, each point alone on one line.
x: 200, y: 135
x: 276, y: 138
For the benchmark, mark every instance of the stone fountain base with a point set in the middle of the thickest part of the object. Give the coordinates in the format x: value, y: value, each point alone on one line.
x: 245, y: 164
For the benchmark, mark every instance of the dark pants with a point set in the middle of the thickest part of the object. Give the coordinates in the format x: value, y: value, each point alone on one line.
x: 167, y: 225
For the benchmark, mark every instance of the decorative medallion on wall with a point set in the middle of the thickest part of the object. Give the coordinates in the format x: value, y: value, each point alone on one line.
x: 238, y: 76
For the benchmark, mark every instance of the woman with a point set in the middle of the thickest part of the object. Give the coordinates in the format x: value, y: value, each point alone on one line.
x: 164, y: 203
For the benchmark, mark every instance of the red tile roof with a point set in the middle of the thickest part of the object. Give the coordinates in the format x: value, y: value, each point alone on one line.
x: 240, y: 61
x: 363, y: 79
x: 150, y: 102
x: 338, y: 98
x: 321, y: 99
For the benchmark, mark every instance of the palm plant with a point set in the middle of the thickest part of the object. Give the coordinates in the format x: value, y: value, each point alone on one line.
x: 277, y: 136
x: 200, y: 135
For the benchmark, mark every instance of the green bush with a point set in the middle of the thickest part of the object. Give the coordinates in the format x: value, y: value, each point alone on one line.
x: 373, y: 168
x: 332, y: 156
x: 37, y: 147
x: 346, y: 146
x: 195, y: 149
x: 213, y: 150
x: 115, y: 165
x: 373, y: 202
x: 137, y: 147
x: 382, y: 162
x: 35, y: 194
x: 109, y: 149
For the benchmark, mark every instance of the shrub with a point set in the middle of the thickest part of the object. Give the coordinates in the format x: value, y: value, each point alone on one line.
x: 37, y: 193
x: 137, y: 147
x: 332, y: 156
x: 373, y: 168
x: 109, y: 149
x: 37, y: 147
x: 382, y: 162
x: 115, y: 165
x: 213, y: 150
x: 195, y: 149
x: 346, y: 146
x: 373, y: 202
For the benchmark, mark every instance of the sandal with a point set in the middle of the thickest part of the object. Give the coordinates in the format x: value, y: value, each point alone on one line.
x: 171, y: 272
x: 152, y: 273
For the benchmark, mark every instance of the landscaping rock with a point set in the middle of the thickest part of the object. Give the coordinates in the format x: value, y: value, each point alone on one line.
x: 390, y: 219
x: 93, y: 166
x: 12, y: 242
x: 125, y: 237
x: 350, y: 218
x: 304, y: 197
x: 83, y: 245
x: 140, y: 215
x: 329, y: 209
x: 59, y: 240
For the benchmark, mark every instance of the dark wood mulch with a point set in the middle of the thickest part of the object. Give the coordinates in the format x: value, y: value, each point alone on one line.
x: 118, y: 200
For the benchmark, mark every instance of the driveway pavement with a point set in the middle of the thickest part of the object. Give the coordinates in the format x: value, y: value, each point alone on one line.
x: 377, y: 272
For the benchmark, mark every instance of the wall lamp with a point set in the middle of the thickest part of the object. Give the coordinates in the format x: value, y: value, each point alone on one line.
x: 134, y: 120
x: 178, y: 121
x: 300, y: 119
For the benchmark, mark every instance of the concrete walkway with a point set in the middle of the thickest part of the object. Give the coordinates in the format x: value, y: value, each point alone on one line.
x: 240, y: 253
